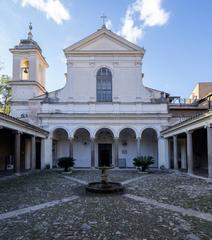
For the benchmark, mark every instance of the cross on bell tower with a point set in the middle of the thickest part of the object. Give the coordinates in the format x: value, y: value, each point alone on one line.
x: 103, y: 20
x: 30, y: 36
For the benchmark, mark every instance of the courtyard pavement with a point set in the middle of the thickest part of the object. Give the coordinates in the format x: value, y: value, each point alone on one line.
x: 50, y: 205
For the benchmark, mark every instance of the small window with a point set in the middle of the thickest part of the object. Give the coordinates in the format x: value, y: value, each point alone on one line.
x: 104, y: 85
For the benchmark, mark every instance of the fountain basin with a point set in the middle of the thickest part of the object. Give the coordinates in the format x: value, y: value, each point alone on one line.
x: 102, y: 187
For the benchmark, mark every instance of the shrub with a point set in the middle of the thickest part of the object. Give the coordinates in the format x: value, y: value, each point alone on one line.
x: 143, y: 162
x: 66, y: 163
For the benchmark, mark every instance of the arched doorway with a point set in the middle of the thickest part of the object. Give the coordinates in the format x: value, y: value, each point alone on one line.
x: 149, y: 144
x: 127, y: 147
x: 104, y: 144
x: 82, y: 148
x: 60, y: 144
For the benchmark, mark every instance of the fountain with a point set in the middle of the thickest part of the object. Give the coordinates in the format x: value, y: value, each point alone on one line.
x: 104, y: 186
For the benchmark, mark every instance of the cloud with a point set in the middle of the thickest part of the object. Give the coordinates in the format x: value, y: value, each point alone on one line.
x: 140, y: 15
x: 53, y: 9
x: 108, y: 24
x: 151, y: 12
x: 129, y: 30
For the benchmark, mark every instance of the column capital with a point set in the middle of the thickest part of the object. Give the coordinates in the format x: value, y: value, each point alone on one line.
x: 189, y: 132
x: 160, y: 137
x: 17, y: 132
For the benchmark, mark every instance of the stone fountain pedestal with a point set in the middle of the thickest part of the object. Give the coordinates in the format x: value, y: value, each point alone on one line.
x: 104, y: 186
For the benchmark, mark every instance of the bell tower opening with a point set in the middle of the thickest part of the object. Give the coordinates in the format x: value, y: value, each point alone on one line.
x: 24, y: 65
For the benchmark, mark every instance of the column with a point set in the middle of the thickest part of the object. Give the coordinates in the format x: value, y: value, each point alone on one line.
x: 175, y: 152
x: 190, y: 152
x: 138, y: 146
x: 46, y: 148
x: 116, y: 150
x: 92, y: 152
x: 209, y: 140
x: 163, y: 152
x: 33, y: 152
x: 17, y: 152
x: 183, y: 154
x: 167, y: 153
x: 71, y: 140
x: 28, y: 152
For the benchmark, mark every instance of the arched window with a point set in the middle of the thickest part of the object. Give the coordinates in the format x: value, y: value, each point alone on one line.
x: 104, y: 85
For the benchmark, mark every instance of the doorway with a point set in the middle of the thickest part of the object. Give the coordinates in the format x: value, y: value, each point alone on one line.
x: 105, y: 154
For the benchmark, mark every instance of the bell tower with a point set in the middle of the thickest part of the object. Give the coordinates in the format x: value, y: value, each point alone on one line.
x: 28, y: 75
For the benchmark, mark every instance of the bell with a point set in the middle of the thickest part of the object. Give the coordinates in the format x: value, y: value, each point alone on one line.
x: 25, y: 70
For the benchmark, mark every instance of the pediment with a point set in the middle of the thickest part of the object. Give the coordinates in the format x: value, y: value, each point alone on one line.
x: 103, y: 41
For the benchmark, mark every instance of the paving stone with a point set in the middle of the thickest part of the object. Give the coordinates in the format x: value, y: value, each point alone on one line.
x: 176, y: 189
x: 105, y: 217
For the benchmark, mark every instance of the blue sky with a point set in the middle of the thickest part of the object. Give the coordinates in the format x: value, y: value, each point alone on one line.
x: 177, y: 35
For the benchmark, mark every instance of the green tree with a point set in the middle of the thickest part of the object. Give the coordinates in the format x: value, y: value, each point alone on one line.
x: 5, y: 94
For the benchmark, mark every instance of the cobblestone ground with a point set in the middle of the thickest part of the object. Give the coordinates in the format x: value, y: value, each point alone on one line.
x: 91, y: 216
x: 177, y: 189
x: 29, y: 190
x: 115, y: 175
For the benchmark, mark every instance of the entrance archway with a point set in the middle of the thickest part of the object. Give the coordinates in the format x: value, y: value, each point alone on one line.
x: 127, y: 146
x: 149, y: 144
x: 82, y: 148
x: 104, y: 140
x: 60, y: 143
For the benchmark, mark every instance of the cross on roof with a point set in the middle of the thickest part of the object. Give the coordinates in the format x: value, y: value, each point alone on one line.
x: 103, y: 19
x: 30, y: 32
x: 30, y: 26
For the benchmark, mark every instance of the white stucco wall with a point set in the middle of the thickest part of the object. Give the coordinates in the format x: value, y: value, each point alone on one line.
x: 82, y: 154
x: 126, y: 72
x: 128, y: 152
x: 62, y: 148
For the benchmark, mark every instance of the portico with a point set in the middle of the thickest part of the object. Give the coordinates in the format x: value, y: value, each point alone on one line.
x: 190, y: 144
x: 105, y: 145
x: 21, y: 145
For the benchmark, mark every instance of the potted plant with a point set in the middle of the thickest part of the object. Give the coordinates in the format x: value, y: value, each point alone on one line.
x: 66, y: 163
x: 143, y: 162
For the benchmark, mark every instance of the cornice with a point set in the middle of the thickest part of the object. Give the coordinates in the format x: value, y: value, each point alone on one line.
x: 28, y: 50
x: 105, y: 115
x: 187, y: 122
x: 26, y: 83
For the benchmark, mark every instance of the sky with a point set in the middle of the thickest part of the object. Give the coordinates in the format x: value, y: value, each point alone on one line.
x: 177, y: 35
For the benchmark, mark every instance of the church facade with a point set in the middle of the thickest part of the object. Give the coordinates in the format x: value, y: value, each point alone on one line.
x: 104, y: 114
